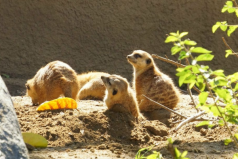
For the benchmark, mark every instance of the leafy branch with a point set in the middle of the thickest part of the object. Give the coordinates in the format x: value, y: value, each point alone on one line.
x: 214, y: 83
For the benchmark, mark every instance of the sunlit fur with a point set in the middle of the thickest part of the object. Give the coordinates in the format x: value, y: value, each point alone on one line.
x: 120, y: 97
x: 55, y: 79
x: 150, y: 81
x: 91, y: 85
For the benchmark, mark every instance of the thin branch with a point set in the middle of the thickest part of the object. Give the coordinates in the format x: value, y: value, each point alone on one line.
x: 189, y: 119
x: 191, y: 96
x: 229, y: 46
x: 235, y: 3
x: 168, y: 60
x: 199, y: 119
x: 165, y: 107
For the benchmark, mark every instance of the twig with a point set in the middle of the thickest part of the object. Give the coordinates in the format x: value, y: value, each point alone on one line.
x: 228, y: 46
x: 199, y: 119
x: 235, y: 3
x: 164, y: 107
x: 189, y: 119
x: 168, y: 60
x: 190, y: 93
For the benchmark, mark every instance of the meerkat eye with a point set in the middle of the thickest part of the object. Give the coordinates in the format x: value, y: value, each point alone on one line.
x: 114, y: 92
x: 137, y: 56
x: 148, y: 61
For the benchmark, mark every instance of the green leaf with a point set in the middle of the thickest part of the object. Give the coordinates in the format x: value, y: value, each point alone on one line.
x: 231, y: 30
x: 183, y: 75
x: 201, y: 86
x: 218, y: 73
x: 223, y: 93
x: 173, y: 34
x: 175, y: 49
x: 235, y: 156
x: 177, y: 153
x: 215, y: 111
x: 170, y: 140
x: 183, y: 34
x: 200, y: 50
x: 184, y: 153
x: 171, y: 39
x: 205, y: 57
x: 223, y: 27
x: 203, y: 97
x: 35, y: 140
x: 216, y: 26
x: 190, y: 79
x: 203, y: 123
x: 192, y: 84
x: 154, y: 156
x: 237, y: 12
x: 200, y: 79
x: 224, y: 9
x: 231, y: 10
x: 236, y: 87
x: 221, y: 122
x: 229, y: 4
x: 228, y: 52
x: 236, y: 136
x: 189, y: 42
x: 233, y: 77
x: 183, y: 55
x: 227, y: 141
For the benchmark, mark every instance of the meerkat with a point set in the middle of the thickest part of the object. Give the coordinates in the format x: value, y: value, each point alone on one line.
x: 55, y: 79
x: 119, y: 96
x: 151, y: 82
x: 91, y: 85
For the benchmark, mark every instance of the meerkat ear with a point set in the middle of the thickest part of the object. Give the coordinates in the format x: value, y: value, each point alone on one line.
x: 148, y: 61
x: 27, y: 86
x: 114, y: 92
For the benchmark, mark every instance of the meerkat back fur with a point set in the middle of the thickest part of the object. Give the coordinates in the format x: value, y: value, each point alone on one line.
x: 55, y: 79
x: 91, y: 85
x: 120, y: 97
x: 150, y: 81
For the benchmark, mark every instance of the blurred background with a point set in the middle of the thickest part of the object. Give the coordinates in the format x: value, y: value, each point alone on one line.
x: 98, y: 35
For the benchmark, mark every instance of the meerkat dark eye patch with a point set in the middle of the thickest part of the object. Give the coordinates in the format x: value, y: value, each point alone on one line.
x: 148, y: 61
x: 114, y: 92
x: 137, y: 56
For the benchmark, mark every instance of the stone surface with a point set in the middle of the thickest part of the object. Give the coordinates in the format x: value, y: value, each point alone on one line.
x: 97, y: 35
x: 11, y: 142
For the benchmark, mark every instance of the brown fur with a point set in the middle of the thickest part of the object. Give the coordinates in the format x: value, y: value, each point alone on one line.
x: 150, y: 81
x: 91, y: 85
x: 120, y: 97
x: 55, y: 79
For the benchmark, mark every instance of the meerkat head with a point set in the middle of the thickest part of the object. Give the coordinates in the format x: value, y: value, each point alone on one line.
x: 115, y: 85
x: 140, y: 59
x: 30, y: 91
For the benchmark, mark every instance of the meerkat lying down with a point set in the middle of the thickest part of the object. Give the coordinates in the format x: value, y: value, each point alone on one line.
x: 150, y: 81
x: 91, y: 85
x: 55, y: 79
x: 119, y: 96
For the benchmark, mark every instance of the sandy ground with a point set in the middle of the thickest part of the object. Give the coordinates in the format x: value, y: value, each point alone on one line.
x: 94, y: 132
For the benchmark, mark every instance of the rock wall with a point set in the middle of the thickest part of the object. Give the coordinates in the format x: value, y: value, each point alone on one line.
x: 12, y: 144
x: 97, y: 35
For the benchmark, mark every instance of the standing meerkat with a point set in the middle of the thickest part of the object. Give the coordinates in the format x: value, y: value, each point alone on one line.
x: 120, y: 97
x: 150, y: 81
x: 91, y: 85
x: 55, y: 79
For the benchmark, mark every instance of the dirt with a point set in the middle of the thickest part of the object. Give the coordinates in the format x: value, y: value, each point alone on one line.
x: 94, y: 132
